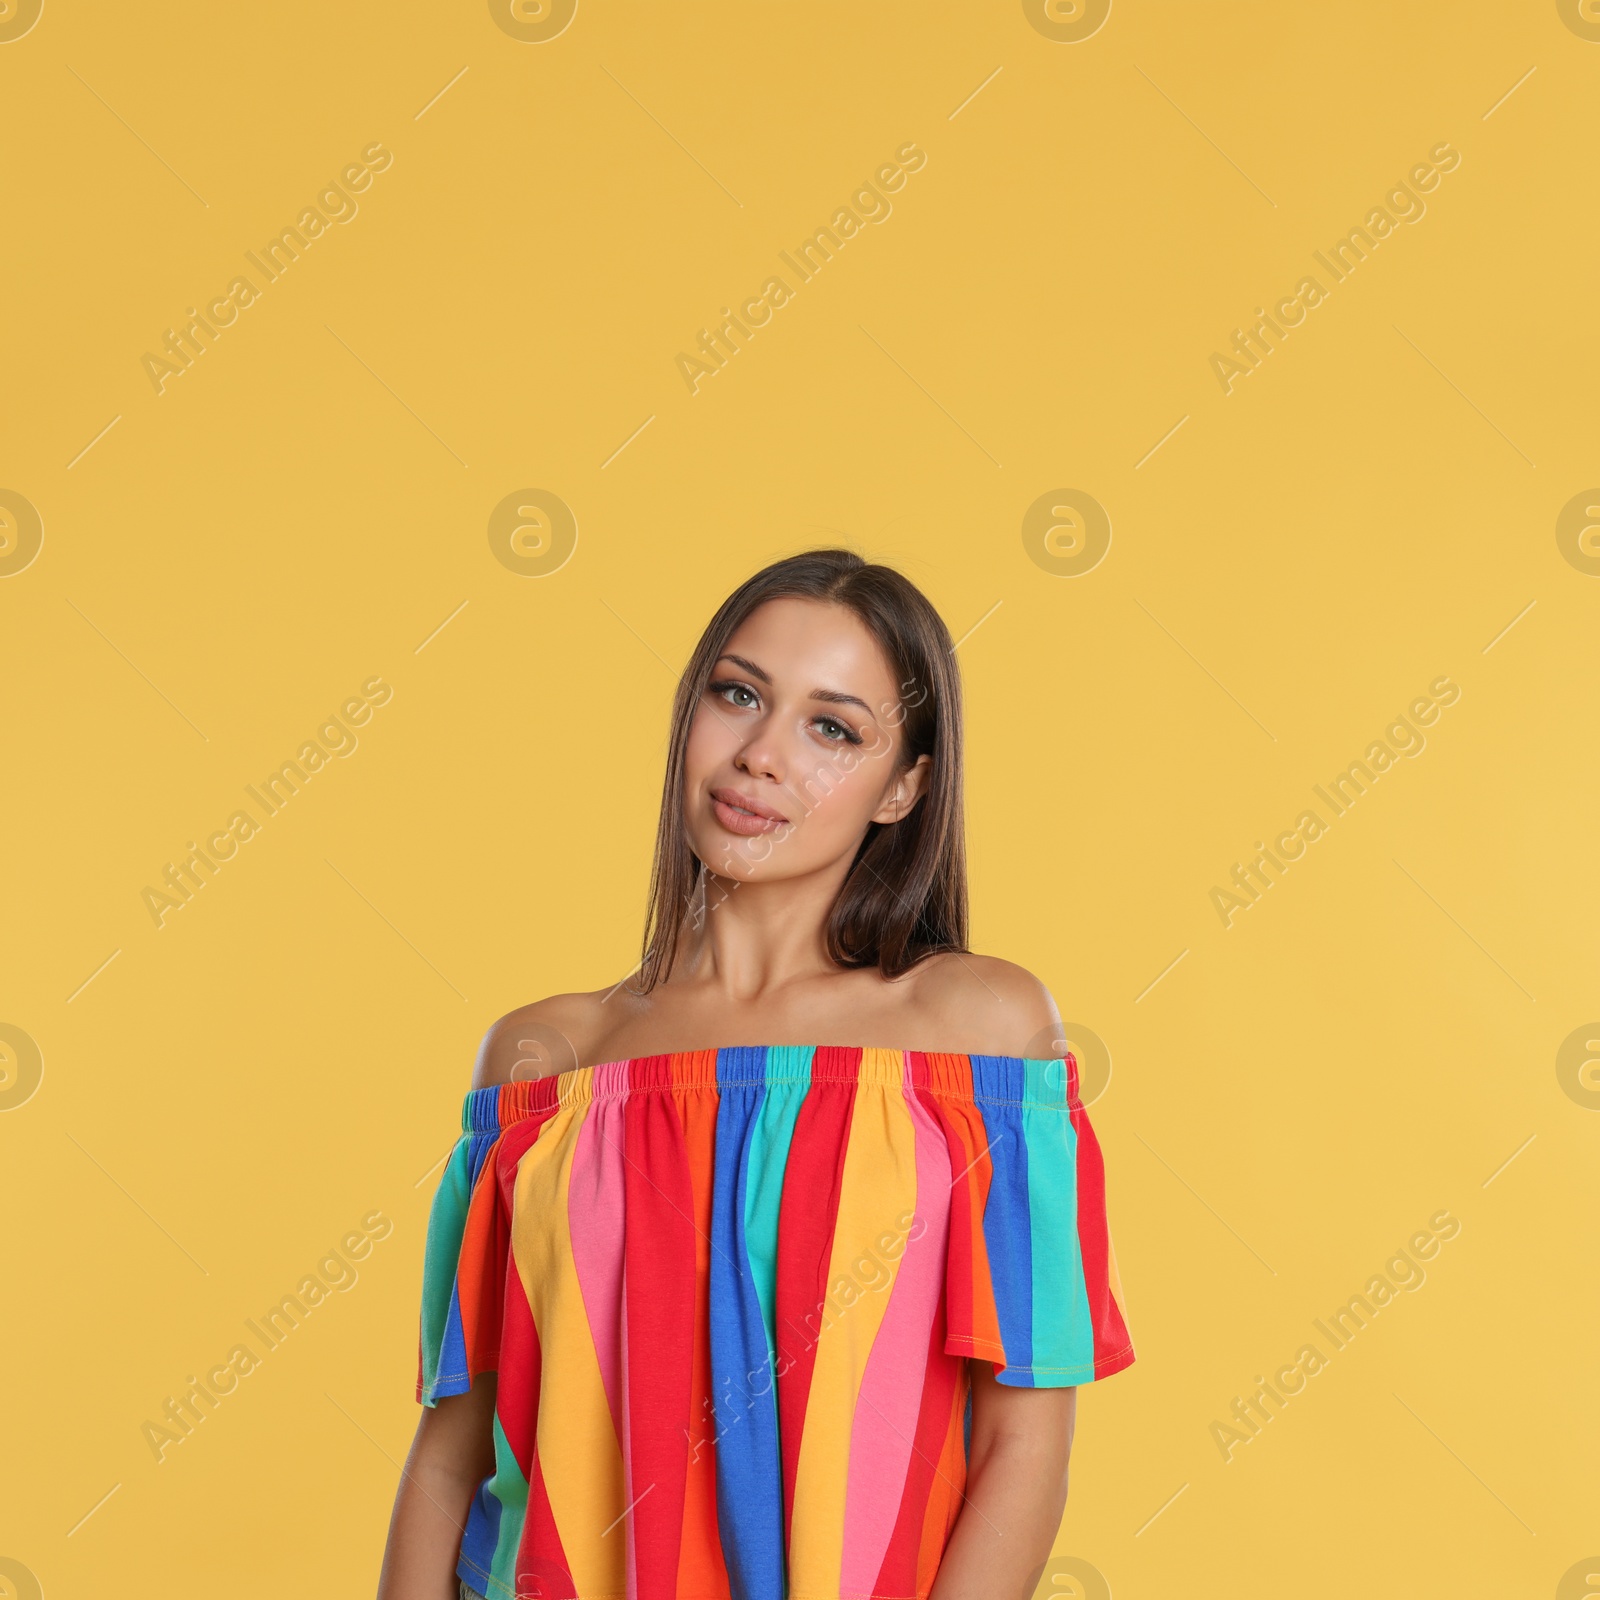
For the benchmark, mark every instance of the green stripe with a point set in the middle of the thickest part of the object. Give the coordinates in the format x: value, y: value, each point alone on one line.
x: 1063, y: 1335
x: 770, y: 1135
x: 510, y: 1488
x: 447, y: 1221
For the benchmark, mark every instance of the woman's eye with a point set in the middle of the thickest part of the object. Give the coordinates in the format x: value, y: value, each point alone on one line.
x: 728, y: 690
x: 837, y: 732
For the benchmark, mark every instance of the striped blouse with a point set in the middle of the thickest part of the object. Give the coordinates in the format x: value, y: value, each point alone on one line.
x: 730, y: 1296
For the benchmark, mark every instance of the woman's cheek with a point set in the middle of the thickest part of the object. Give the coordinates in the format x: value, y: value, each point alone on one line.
x: 853, y: 799
x: 700, y: 752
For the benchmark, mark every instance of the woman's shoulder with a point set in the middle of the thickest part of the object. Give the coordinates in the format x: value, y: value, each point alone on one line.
x: 958, y: 1001
x: 983, y: 1005
x: 536, y: 1040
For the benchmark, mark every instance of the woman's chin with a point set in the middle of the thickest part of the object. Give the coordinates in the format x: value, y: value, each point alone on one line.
x: 741, y: 859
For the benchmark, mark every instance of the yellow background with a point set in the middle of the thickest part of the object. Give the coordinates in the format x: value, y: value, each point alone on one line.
x: 302, y: 509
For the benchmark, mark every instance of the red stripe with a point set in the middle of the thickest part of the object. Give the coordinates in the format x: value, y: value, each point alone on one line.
x: 516, y: 1400
x: 541, y: 1564
x: 807, y: 1215
x: 969, y: 1291
x: 659, y: 1290
x: 521, y: 1357
x: 1111, y: 1352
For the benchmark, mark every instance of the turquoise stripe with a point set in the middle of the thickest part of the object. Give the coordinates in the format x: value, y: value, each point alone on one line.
x: 510, y: 1488
x: 1063, y: 1335
x: 1044, y: 1083
x: 770, y: 1137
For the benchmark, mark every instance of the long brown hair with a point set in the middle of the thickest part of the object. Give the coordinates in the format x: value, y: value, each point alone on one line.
x: 905, y: 896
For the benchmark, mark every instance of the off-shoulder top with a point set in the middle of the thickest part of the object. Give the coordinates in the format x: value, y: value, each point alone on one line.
x: 730, y: 1296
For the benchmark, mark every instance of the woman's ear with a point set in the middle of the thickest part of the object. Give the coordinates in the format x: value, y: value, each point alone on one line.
x: 908, y: 789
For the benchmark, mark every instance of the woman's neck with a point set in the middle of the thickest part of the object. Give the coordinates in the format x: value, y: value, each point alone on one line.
x: 746, y: 940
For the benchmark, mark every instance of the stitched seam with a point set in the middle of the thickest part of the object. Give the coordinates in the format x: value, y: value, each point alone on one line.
x: 618, y: 1594
x: 1011, y: 1366
x: 489, y: 1580
x: 431, y: 1391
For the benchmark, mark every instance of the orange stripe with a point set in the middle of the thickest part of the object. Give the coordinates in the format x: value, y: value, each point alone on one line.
x: 945, y: 1495
x: 480, y: 1268
x: 974, y: 1184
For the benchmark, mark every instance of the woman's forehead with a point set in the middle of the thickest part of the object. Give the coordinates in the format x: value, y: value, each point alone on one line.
x: 818, y: 640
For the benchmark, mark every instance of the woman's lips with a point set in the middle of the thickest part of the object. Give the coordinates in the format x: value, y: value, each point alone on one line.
x: 737, y: 820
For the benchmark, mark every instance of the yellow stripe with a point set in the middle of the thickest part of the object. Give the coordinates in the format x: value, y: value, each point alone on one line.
x: 586, y: 1494
x: 879, y: 1185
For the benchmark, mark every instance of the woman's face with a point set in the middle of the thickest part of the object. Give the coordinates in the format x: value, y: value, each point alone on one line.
x: 801, y: 724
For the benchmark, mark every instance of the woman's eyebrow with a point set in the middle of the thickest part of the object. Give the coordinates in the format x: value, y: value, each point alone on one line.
x: 833, y: 697
x: 830, y: 696
x: 749, y: 666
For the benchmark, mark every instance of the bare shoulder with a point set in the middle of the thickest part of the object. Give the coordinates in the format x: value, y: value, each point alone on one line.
x: 990, y: 1005
x: 536, y: 1040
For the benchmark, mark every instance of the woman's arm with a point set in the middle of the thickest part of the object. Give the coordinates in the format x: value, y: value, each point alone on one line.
x: 1016, y: 1491
x: 452, y: 1453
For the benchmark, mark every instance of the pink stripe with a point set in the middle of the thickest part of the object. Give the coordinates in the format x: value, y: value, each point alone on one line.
x: 594, y: 1218
x: 885, y: 1421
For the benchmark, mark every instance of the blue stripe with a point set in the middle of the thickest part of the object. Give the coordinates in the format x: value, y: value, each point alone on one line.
x: 999, y: 1084
x: 504, y: 1497
x: 487, y: 1522
x: 748, y: 1458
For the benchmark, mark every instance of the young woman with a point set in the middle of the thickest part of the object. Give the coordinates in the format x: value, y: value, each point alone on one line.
x: 770, y: 1272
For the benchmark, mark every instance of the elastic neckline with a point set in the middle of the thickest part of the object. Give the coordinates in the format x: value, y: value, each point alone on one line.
x: 880, y: 1049
x: 1046, y: 1083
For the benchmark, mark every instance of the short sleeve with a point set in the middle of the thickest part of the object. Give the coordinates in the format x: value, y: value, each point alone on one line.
x: 1031, y: 1277
x: 465, y: 1259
